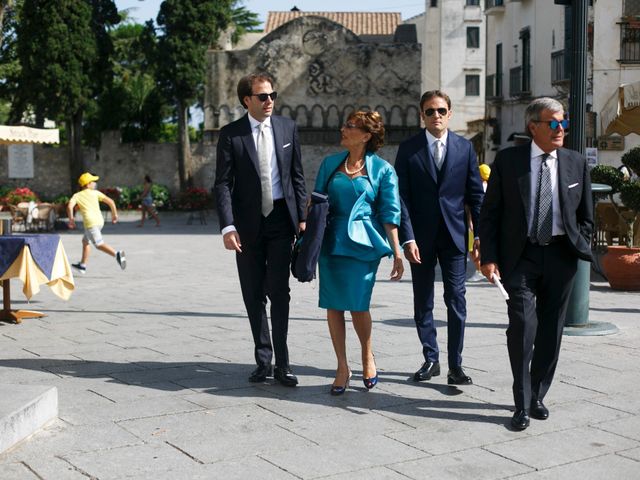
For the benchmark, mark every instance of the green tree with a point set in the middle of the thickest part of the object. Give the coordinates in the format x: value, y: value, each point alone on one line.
x: 243, y: 21
x: 63, y: 48
x: 188, y: 28
x: 9, y: 65
x: 131, y: 102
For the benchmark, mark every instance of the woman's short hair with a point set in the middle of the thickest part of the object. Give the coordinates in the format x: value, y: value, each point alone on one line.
x: 245, y: 85
x: 147, y: 179
x: 370, y: 122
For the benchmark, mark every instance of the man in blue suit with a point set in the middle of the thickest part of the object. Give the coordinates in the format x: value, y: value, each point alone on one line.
x: 438, y: 177
x: 261, y: 201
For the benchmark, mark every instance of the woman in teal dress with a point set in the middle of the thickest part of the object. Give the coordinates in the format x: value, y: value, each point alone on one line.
x: 362, y: 227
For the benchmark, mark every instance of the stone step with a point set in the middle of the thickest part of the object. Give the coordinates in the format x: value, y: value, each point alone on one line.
x: 23, y: 410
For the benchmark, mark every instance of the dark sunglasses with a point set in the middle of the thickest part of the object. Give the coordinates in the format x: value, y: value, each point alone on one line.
x: 430, y: 111
x: 263, y: 96
x: 554, y: 124
x: 350, y: 125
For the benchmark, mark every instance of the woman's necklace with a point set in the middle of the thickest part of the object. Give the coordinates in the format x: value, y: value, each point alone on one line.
x: 346, y: 167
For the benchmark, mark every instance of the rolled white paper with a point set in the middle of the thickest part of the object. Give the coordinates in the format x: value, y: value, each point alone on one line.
x: 498, y: 283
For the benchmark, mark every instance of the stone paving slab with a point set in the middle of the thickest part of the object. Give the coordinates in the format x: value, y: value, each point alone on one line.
x: 151, y: 366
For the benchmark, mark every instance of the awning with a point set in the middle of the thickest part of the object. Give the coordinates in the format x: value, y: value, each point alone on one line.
x: 621, y: 113
x: 12, y: 135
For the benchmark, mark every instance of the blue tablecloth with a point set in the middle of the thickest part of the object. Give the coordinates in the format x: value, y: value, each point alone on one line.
x: 43, y: 250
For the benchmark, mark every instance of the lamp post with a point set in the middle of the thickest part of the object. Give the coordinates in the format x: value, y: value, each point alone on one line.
x: 577, y: 322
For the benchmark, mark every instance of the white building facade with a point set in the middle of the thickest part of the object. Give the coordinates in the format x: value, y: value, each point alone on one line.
x: 452, y: 34
x: 616, y: 62
x: 525, y: 59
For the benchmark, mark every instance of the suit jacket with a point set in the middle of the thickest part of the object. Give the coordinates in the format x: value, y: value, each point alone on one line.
x: 504, y: 222
x: 429, y: 195
x: 363, y: 235
x: 237, y: 184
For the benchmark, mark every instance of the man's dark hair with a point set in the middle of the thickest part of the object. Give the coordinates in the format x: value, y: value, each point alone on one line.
x: 245, y: 85
x: 426, y: 96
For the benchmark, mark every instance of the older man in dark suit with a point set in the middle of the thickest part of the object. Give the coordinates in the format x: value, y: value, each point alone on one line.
x: 536, y: 222
x: 261, y: 201
x: 438, y: 177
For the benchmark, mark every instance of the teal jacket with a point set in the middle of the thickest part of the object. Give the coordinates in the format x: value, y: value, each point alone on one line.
x: 362, y: 235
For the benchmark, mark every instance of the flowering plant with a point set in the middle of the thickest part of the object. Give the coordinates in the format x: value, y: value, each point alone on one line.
x: 21, y: 194
x: 193, y: 199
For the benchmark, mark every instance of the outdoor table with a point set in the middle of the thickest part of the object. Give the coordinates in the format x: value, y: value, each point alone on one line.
x: 36, y: 260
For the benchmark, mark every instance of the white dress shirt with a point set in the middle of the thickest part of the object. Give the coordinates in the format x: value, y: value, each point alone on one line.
x: 431, y: 140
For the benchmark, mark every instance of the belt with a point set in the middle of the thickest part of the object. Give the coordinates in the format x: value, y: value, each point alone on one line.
x: 554, y: 239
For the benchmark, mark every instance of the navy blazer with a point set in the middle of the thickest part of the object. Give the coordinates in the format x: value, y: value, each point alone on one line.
x: 504, y: 218
x: 237, y: 185
x: 426, y: 200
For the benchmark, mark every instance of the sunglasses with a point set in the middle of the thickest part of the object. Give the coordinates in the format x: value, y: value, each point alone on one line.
x: 263, y: 96
x: 554, y: 124
x: 430, y: 111
x: 350, y: 125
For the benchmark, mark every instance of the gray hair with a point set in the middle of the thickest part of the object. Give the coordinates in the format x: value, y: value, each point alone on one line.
x: 535, y: 108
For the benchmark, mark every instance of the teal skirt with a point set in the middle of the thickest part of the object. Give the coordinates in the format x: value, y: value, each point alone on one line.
x: 346, y: 283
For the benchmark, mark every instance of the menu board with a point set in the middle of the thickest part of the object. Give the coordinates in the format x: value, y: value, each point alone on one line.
x: 21, y: 161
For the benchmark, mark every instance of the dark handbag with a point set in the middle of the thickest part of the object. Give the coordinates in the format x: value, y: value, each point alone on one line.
x: 306, y: 250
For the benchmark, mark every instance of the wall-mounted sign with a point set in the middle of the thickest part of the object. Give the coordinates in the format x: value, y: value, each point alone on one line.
x: 592, y: 156
x: 611, y: 142
x: 21, y: 161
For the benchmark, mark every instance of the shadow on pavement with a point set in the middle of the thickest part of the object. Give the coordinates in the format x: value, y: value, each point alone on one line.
x: 230, y: 380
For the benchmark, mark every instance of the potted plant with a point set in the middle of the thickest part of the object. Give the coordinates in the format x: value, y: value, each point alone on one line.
x: 621, y: 263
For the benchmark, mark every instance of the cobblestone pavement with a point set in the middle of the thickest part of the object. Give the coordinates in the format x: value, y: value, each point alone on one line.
x: 151, y: 368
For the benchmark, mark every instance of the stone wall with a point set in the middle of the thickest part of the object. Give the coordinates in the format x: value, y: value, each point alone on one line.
x: 322, y: 72
x: 117, y: 164
x: 125, y: 165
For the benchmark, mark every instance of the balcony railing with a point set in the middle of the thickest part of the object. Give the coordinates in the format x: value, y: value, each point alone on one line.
x: 629, y: 43
x: 558, y: 67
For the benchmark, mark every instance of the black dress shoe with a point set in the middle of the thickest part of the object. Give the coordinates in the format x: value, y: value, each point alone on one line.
x: 285, y: 377
x: 520, y: 420
x: 538, y: 410
x: 261, y: 373
x: 427, y: 370
x: 456, y: 376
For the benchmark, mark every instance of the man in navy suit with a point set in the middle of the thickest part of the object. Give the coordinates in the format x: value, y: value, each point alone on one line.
x: 438, y: 177
x: 536, y: 222
x: 261, y: 201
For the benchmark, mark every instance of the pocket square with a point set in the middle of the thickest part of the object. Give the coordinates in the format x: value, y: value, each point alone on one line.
x: 287, y: 145
x: 573, y: 185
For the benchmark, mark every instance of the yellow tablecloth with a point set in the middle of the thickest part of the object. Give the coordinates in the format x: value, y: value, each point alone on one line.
x: 27, y: 270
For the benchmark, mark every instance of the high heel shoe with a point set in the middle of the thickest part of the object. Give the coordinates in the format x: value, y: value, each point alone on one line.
x: 370, y: 382
x: 373, y: 381
x: 339, y: 390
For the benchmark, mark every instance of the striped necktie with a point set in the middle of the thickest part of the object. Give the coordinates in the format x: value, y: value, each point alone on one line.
x: 544, y: 204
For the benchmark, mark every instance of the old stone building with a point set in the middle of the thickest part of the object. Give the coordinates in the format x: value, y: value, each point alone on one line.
x: 323, y: 71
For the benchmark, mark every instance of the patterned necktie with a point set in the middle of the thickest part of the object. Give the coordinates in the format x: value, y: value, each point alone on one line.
x: 264, y: 159
x: 544, y: 207
x: 437, y: 154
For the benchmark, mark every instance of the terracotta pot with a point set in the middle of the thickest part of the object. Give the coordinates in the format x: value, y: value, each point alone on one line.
x: 621, y: 265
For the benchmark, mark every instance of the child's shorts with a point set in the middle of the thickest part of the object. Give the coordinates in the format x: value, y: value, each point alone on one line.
x: 93, y: 235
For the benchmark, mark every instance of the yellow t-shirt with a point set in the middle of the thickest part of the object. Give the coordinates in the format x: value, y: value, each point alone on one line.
x: 88, y: 201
